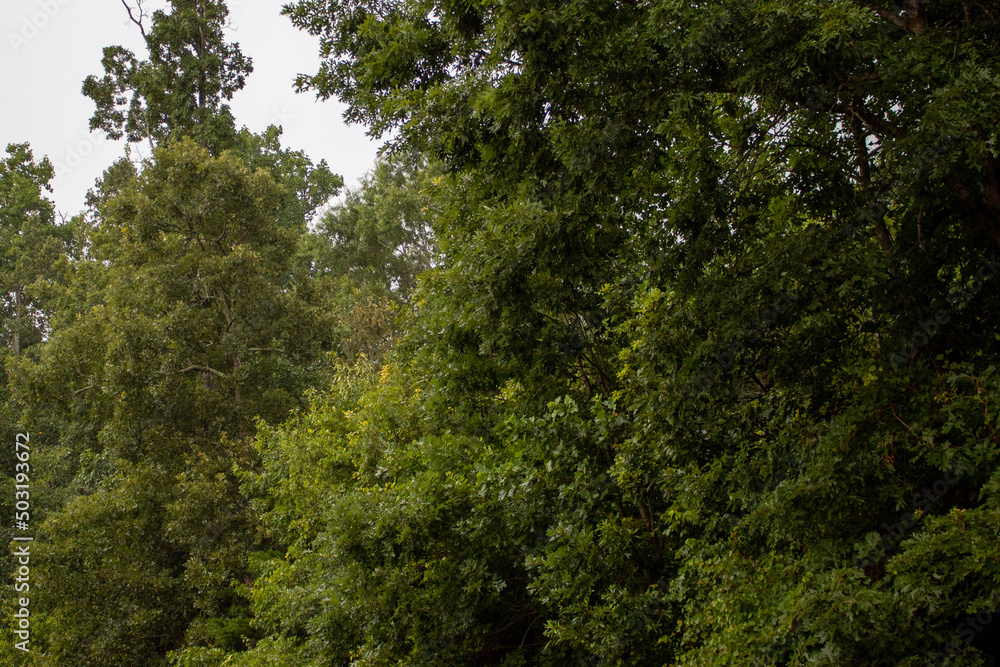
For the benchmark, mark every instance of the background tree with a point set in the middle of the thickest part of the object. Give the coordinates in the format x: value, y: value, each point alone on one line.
x: 32, y: 242
x: 370, y: 248
x: 381, y: 233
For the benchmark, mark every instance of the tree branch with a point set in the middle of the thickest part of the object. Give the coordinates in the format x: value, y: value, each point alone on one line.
x: 879, y: 126
x: 912, y: 17
x: 137, y: 21
x: 203, y: 369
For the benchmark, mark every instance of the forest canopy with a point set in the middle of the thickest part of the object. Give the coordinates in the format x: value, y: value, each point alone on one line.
x: 660, y: 335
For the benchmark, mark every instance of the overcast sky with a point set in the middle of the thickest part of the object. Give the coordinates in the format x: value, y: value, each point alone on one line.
x: 48, y: 47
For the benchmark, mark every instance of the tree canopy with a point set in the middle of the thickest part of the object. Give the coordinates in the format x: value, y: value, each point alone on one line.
x: 182, y: 87
x: 663, y: 333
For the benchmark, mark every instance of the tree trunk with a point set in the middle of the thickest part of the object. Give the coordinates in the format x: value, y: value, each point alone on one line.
x: 17, y: 320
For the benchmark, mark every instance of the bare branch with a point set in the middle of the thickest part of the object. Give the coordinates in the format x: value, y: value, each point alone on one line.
x: 137, y: 21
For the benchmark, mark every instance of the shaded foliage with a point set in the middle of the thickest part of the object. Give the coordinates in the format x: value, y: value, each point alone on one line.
x: 695, y: 357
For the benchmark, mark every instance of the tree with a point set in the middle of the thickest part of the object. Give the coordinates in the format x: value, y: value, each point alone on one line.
x: 183, y: 86
x: 187, y: 315
x: 196, y: 327
x: 714, y: 299
x: 31, y: 247
x: 369, y: 250
x: 381, y: 233
x: 31, y: 243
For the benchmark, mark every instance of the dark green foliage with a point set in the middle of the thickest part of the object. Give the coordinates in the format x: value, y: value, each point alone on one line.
x: 666, y: 335
x: 716, y: 306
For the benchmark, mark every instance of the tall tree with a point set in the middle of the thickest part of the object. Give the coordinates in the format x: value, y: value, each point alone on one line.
x: 183, y: 86
x: 189, y: 317
x: 197, y: 325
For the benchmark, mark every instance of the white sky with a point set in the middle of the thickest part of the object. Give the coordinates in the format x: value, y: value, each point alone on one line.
x: 48, y: 47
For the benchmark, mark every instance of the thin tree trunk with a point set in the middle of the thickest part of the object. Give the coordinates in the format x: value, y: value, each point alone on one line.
x: 17, y: 320
x: 863, y: 165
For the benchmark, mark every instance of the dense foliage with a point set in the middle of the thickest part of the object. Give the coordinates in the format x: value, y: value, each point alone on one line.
x: 183, y: 86
x: 666, y: 334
